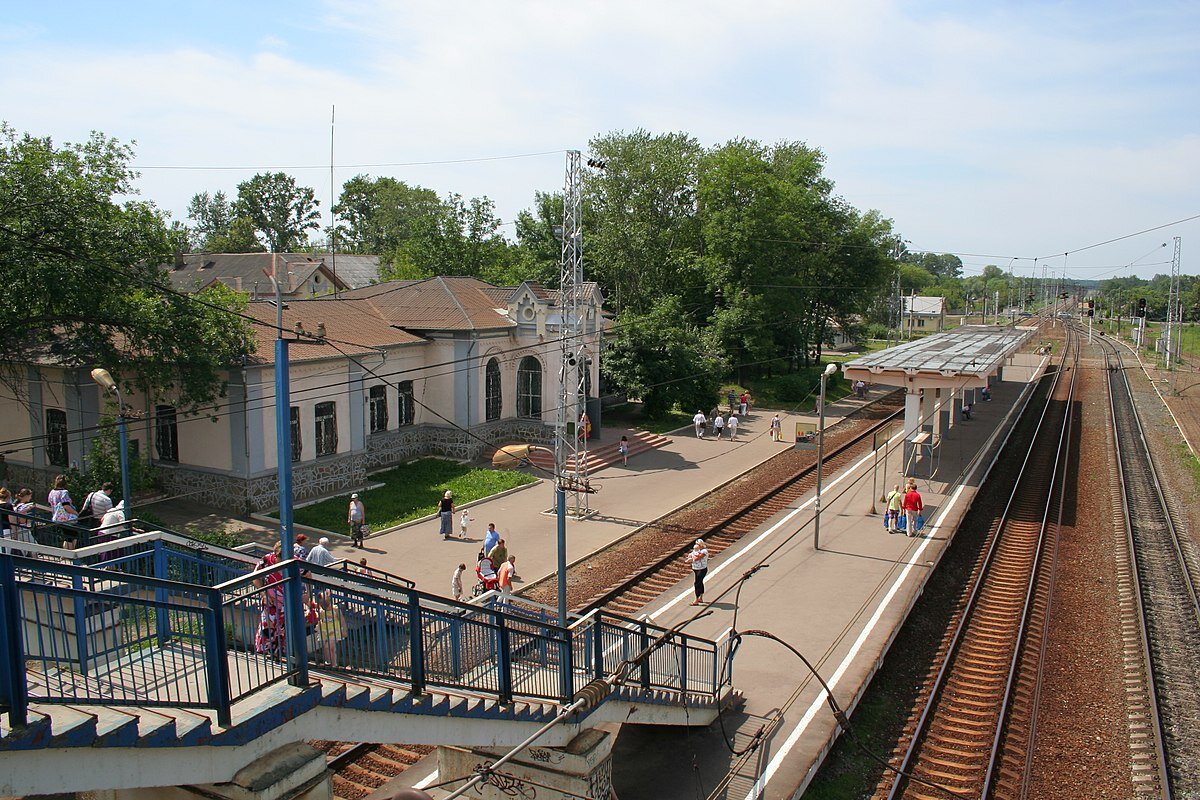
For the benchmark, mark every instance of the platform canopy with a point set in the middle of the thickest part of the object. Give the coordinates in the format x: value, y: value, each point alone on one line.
x: 963, y: 357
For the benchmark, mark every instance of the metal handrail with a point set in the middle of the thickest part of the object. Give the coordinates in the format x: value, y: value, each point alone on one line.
x: 382, y: 628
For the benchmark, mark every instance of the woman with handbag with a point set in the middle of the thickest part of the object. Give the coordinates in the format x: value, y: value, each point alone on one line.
x: 63, y: 510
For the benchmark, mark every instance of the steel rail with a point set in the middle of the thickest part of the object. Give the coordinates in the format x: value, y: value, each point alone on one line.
x: 900, y: 783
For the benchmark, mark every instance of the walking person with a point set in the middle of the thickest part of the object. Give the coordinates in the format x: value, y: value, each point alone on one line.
x: 490, y: 538
x: 333, y: 628
x: 776, y: 429
x: 499, y: 553
x: 699, y: 421
x: 505, y: 575
x: 698, y: 559
x: 63, y: 510
x: 894, y: 502
x: 96, y: 505
x: 718, y: 426
x: 320, y: 554
x: 299, y: 548
x: 446, y: 515
x: 6, y: 505
x: 732, y: 426
x: 623, y: 449
x: 462, y: 524
x: 456, y: 590
x: 357, y: 517
x: 912, y: 508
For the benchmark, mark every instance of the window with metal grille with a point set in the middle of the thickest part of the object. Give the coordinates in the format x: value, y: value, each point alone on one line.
x: 379, y: 411
x: 326, y: 419
x: 57, y: 452
x: 493, y: 398
x: 166, y: 434
x: 529, y: 388
x: 407, y: 406
x: 297, y: 436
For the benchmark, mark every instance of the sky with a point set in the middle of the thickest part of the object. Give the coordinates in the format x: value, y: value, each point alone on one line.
x: 1019, y: 134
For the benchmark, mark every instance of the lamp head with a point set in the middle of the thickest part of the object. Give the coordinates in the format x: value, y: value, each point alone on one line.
x: 829, y: 370
x: 104, y: 380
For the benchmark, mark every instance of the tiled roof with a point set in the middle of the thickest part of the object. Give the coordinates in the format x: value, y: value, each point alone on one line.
x: 436, y: 304
x: 352, y: 326
x: 244, y: 271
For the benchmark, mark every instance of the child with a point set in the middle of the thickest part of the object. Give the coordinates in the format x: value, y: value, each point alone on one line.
x: 462, y: 524
x: 623, y: 448
x: 456, y: 582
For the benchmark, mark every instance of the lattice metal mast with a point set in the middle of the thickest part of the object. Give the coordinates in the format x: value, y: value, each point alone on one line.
x: 1174, y: 327
x: 570, y: 448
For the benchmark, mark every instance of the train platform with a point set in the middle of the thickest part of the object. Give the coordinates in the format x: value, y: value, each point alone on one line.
x: 840, y: 605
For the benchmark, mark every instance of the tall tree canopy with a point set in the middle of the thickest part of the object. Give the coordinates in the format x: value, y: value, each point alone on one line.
x: 81, y: 276
x: 417, y: 234
x: 281, y: 212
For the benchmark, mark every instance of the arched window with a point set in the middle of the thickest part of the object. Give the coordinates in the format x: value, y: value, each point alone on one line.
x: 493, y: 396
x: 529, y: 388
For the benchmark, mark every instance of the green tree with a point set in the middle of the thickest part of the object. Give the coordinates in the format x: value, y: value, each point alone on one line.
x: 281, y: 212
x: 82, y: 281
x: 663, y: 359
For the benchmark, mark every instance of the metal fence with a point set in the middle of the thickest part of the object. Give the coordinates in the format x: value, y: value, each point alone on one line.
x: 143, y: 628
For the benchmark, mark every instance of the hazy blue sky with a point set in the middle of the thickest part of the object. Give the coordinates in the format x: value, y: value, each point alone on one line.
x: 994, y: 130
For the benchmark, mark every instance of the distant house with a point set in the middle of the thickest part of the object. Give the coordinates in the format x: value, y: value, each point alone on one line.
x: 924, y: 313
x: 445, y: 366
x: 307, y: 275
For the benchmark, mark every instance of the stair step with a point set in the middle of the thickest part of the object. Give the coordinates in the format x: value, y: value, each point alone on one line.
x: 69, y: 727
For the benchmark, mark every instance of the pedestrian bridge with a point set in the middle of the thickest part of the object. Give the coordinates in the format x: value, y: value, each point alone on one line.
x: 154, y: 643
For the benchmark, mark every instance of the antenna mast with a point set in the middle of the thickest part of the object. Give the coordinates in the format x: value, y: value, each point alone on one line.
x: 332, y: 193
x: 570, y: 446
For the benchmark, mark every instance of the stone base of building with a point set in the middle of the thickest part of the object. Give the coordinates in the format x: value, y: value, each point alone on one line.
x: 296, y: 771
x: 581, y: 769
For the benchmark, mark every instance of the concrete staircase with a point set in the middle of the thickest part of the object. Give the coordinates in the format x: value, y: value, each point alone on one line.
x: 604, y: 455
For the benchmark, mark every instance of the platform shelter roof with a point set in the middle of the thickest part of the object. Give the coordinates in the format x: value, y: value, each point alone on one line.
x: 971, y: 350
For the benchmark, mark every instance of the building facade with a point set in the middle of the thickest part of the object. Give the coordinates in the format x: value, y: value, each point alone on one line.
x: 446, y: 366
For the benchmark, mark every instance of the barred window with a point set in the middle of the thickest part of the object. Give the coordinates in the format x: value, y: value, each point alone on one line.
x: 166, y: 433
x: 297, y: 436
x: 407, y: 406
x: 379, y: 409
x: 57, y: 452
x: 326, y: 425
x: 494, y: 399
x: 529, y: 388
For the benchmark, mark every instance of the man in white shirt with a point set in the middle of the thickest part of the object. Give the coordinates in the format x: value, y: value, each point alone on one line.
x: 732, y: 425
x: 96, y: 505
x: 699, y: 421
x: 114, y: 517
x: 718, y: 426
x: 320, y: 554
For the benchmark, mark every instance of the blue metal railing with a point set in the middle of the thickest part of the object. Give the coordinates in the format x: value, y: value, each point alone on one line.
x: 133, y: 633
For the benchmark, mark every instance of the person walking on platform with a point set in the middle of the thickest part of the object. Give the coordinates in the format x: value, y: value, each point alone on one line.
x: 446, y: 514
x: 776, y: 429
x: 718, y: 426
x: 357, y: 517
x: 912, y: 508
x: 490, y: 538
x: 623, y: 449
x: 456, y: 590
x: 699, y: 421
x: 895, y: 501
x: 698, y: 559
x: 732, y: 425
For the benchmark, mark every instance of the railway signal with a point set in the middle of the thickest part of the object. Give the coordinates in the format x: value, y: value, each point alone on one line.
x: 1091, y: 308
x: 1141, y: 312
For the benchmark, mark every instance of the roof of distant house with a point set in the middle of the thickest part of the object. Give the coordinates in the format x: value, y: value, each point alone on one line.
x: 441, y: 303
x: 247, y: 272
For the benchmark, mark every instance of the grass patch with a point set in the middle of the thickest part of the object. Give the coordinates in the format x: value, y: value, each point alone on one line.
x: 1191, y: 462
x: 411, y: 491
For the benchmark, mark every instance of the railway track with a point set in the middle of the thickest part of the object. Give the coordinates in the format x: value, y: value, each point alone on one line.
x: 661, y: 566
x: 974, y: 731
x: 359, y: 769
x: 1161, y: 615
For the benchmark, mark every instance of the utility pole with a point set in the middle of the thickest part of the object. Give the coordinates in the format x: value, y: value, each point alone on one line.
x: 1174, y: 315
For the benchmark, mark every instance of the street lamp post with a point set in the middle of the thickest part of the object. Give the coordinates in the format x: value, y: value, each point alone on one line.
x: 829, y: 370
x: 105, y: 381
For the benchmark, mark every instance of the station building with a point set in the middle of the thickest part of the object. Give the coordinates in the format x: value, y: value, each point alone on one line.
x: 445, y: 366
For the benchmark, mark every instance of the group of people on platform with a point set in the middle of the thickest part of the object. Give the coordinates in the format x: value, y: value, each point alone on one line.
x: 907, y: 501
x: 495, y: 567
